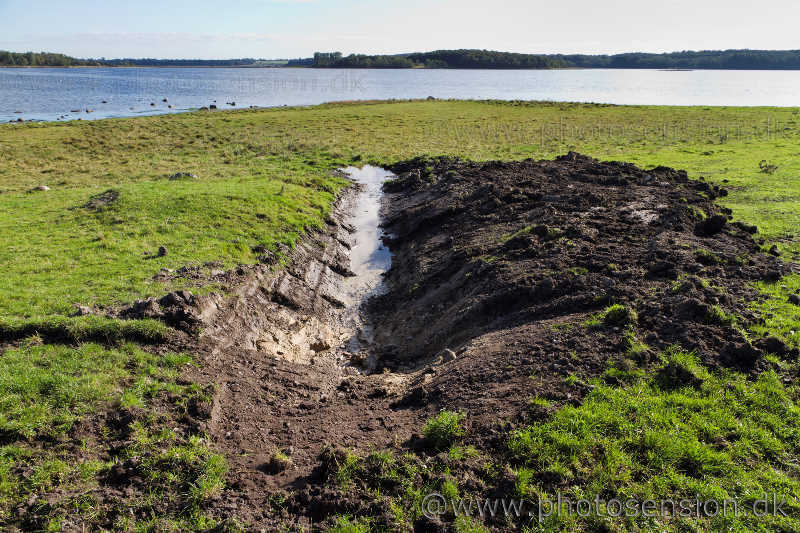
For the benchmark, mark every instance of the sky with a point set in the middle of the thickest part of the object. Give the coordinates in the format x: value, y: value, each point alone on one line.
x: 274, y: 29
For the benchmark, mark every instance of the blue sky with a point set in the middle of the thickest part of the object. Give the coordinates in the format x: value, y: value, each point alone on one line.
x: 297, y: 28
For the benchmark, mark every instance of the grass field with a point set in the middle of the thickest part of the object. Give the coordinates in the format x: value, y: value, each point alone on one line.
x: 263, y: 178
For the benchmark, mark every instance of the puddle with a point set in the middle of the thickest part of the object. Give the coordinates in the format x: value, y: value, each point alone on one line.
x: 369, y: 257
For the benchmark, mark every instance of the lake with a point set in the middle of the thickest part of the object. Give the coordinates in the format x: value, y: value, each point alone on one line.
x: 53, y: 93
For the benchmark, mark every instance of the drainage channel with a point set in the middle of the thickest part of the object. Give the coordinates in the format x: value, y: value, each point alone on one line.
x: 369, y: 260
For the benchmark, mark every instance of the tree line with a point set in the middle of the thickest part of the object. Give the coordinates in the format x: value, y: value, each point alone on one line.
x: 467, y: 59
x: 150, y: 62
x: 42, y: 59
x: 486, y: 59
x: 461, y: 59
x: 708, y: 59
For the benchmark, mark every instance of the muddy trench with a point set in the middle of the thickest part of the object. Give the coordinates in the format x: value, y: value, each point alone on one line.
x: 294, y: 357
x: 466, y: 286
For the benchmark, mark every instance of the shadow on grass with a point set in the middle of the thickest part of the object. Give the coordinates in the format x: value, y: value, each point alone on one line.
x: 84, y: 329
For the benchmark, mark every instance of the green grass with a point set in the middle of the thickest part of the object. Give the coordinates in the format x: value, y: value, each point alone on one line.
x: 781, y: 318
x: 444, y: 430
x: 60, y: 254
x: 718, y: 436
x: 616, y: 315
x: 86, y: 328
x: 346, y: 524
x: 46, y: 389
x: 264, y: 178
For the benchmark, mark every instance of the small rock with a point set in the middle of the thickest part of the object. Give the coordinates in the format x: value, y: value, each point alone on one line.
x: 148, y: 308
x: 663, y: 269
x: 448, y: 355
x: 794, y: 299
x: 162, y: 251
x: 752, y: 230
x: 320, y: 345
x: 83, y: 310
x: 183, y: 175
x: 278, y: 463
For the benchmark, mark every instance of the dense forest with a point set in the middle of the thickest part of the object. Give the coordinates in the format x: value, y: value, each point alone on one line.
x: 42, y: 59
x: 485, y: 59
x: 31, y: 59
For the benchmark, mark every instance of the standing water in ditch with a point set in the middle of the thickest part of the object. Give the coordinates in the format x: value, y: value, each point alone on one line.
x: 369, y: 257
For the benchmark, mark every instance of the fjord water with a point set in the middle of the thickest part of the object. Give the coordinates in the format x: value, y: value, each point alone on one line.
x: 49, y: 93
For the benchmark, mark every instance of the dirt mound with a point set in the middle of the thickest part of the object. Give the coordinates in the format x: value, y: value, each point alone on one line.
x: 492, y: 257
x: 101, y: 201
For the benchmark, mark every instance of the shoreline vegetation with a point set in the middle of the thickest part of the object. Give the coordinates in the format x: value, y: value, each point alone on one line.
x: 743, y: 59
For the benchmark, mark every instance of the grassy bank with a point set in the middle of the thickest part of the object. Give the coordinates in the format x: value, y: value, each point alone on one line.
x: 264, y: 177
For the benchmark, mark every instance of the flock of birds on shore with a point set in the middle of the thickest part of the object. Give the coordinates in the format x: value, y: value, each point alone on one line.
x: 133, y: 108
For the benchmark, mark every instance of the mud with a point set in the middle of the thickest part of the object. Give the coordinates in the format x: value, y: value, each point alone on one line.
x: 497, y: 268
x: 495, y: 274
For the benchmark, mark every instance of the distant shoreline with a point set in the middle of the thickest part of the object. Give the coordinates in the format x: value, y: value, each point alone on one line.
x: 471, y: 59
x: 139, y: 66
x: 753, y: 69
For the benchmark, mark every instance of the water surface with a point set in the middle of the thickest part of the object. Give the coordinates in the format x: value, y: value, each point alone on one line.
x: 50, y: 93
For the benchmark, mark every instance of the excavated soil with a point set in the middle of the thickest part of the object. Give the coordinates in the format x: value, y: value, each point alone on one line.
x: 496, y: 269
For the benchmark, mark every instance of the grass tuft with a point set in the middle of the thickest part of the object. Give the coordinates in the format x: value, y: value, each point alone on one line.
x: 444, y: 430
x: 619, y: 316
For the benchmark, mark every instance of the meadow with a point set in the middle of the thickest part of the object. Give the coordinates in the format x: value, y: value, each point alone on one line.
x: 263, y: 178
